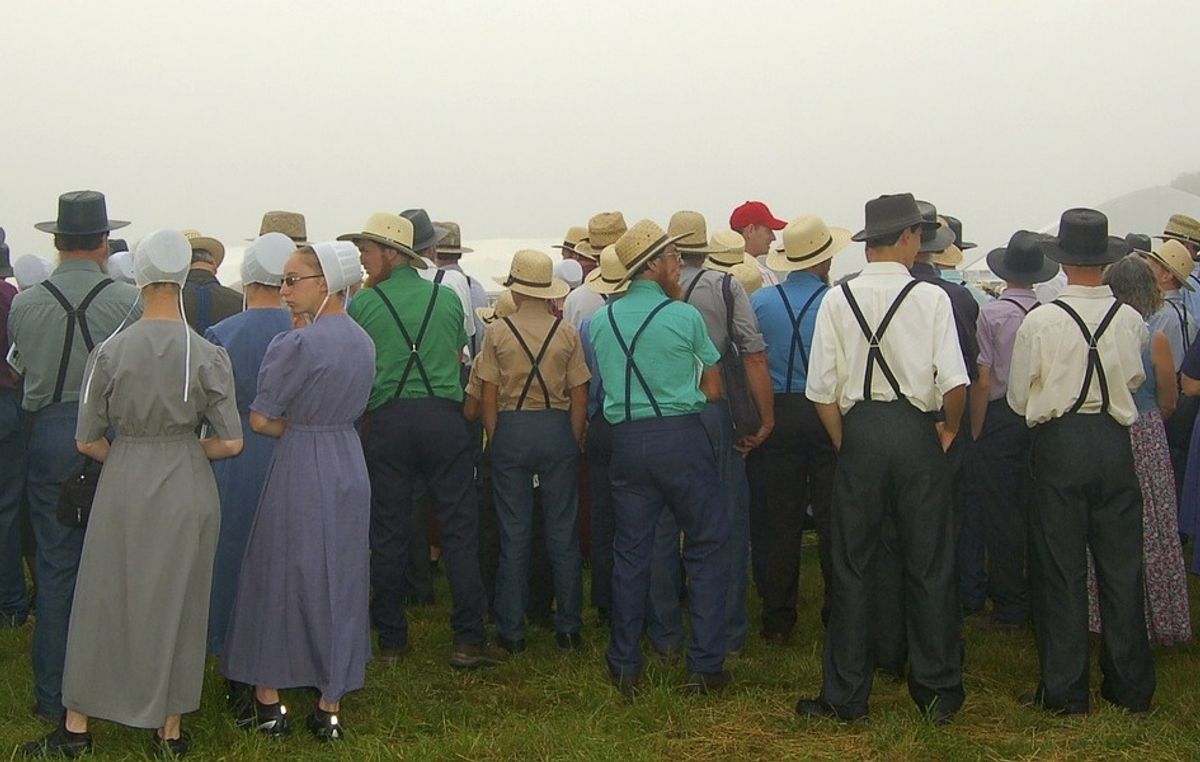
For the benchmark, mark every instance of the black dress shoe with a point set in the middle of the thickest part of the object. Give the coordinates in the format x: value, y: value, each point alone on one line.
x: 325, y: 726
x: 568, y: 641
x: 629, y: 684
x: 1036, y: 701
x: 268, y: 719
x: 819, y: 709
x: 512, y: 646
x: 238, y: 695
x: 59, y: 742
x: 169, y: 748
x: 392, y: 655
x: 469, y: 656
x: 701, y: 683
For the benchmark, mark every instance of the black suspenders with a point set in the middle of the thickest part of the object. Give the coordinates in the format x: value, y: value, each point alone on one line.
x: 631, y: 368
x: 1094, y: 365
x: 797, y: 338
x: 414, y: 358
x: 687, y: 295
x: 874, y: 353
x: 535, y: 370
x: 74, y: 314
x: 1020, y: 306
x: 1182, y: 315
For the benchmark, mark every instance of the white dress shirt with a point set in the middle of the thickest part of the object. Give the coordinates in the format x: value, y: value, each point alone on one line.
x: 580, y: 305
x: 458, y: 283
x: 920, y: 345
x: 1050, y: 358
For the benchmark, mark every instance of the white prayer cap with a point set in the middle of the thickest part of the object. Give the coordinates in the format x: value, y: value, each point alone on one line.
x: 339, y: 264
x: 570, y: 271
x: 30, y: 270
x: 120, y: 267
x: 265, y: 258
x: 164, y: 256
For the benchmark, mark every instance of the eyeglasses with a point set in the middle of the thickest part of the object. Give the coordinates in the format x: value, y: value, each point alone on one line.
x: 291, y: 280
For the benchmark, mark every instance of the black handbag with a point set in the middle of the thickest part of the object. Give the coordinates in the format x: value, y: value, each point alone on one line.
x: 76, y: 495
x: 746, y: 420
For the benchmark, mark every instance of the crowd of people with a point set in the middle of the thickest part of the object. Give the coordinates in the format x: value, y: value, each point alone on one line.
x: 279, y: 467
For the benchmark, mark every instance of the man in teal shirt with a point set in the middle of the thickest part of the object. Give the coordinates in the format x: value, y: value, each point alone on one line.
x: 659, y: 369
x: 415, y: 432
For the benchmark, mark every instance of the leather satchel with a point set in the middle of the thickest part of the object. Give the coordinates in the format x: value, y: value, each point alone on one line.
x: 746, y: 420
x: 77, y: 493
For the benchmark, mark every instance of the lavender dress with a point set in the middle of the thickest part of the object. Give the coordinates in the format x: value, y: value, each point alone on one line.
x: 300, y: 615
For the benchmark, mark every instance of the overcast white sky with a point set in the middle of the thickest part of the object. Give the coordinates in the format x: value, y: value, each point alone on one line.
x: 519, y: 118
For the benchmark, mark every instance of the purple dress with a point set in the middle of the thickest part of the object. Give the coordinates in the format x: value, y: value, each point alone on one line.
x: 300, y: 616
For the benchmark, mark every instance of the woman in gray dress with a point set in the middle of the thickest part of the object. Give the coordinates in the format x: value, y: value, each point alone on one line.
x: 136, y: 643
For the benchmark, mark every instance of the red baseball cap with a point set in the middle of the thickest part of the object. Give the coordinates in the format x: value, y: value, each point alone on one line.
x: 754, y: 213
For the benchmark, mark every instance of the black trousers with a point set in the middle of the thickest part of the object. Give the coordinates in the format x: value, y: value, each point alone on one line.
x: 892, y: 484
x: 797, y: 467
x: 1003, y: 483
x: 1086, y: 495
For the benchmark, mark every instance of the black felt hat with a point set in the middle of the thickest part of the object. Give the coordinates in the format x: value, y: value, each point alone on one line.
x: 935, y: 236
x: 81, y: 213
x: 6, y: 270
x: 889, y: 214
x: 1083, y: 240
x: 425, y: 233
x: 1022, y: 261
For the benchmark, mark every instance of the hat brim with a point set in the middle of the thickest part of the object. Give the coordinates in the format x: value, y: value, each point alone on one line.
x: 706, y: 249
x: 724, y: 267
x: 633, y: 267
x: 557, y: 289
x: 779, y: 260
x: 417, y: 260
x: 454, y: 250
x: 965, y: 245
x: 1183, y: 278
x: 996, y: 263
x: 942, y: 239
x: 566, y: 247
x: 211, y: 245
x: 1115, y: 250
x: 52, y: 227
x: 951, y: 256
x: 486, y: 315
x: 867, y: 234
x: 596, y: 282
x: 584, y: 249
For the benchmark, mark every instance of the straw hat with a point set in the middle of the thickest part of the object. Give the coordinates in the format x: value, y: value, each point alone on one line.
x: 693, y: 232
x: 728, y: 250
x: 1182, y: 227
x: 640, y: 244
x: 532, y: 274
x: 603, y: 229
x: 609, y: 277
x: 1174, y: 256
x: 211, y: 245
x: 503, y: 307
x: 392, y: 231
x: 748, y: 274
x: 807, y: 242
x: 571, y: 240
x: 452, y: 242
x: 951, y: 256
x: 291, y: 224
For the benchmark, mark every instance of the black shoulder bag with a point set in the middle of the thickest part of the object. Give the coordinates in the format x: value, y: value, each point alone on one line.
x: 76, y: 495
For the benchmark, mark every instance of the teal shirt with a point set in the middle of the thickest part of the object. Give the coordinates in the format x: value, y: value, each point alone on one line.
x: 440, y: 350
x: 670, y: 354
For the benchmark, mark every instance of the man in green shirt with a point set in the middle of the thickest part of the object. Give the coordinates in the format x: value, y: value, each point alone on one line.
x: 415, y: 432
x: 659, y: 369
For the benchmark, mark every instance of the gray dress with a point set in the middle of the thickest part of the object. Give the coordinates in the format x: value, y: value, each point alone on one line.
x: 136, y: 644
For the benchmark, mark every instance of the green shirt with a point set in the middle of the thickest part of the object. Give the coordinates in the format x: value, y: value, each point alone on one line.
x: 439, y: 352
x: 670, y: 354
x: 37, y: 326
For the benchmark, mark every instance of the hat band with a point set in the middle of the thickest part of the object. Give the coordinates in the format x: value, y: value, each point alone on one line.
x: 530, y: 283
x: 812, y: 254
x: 681, y: 245
x: 652, y: 247
x: 1181, y: 237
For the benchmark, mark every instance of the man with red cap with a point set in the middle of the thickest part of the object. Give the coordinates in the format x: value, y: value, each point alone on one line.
x: 757, y: 225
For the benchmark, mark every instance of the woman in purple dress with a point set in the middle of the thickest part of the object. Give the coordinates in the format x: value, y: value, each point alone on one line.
x: 300, y: 616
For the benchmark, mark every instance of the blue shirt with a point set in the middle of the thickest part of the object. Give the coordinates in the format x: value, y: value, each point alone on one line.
x: 1192, y: 298
x: 670, y: 355
x: 596, y: 387
x: 245, y: 336
x: 775, y: 322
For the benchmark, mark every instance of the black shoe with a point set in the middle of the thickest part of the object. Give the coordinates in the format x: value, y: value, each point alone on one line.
x: 169, y: 748
x: 1036, y: 701
x: 268, y: 719
x: 59, y: 742
x: 469, y: 656
x: 237, y: 696
x: 701, y: 683
x: 568, y: 641
x: 325, y: 725
x: 629, y: 685
x: 513, y: 647
x: 603, y: 617
x: 819, y: 709
x: 778, y: 638
x: 392, y: 655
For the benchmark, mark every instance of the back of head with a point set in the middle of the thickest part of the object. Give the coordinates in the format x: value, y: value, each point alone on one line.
x: 1132, y: 282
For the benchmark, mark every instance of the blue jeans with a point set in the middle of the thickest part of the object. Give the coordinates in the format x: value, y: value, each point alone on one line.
x: 14, y: 596
x: 52, y: 457
x: 538, y: 442
x: 664, y: 620
x: 657, y: 464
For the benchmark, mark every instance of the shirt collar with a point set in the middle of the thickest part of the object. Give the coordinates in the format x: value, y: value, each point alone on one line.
x: 532, y: 306
x: 400, y: 272
x: 884, y: 268
x: 198, y: 275
x: 1172, y: 295
x: 454, y: 266
x: 801, y: 275
x: 77, y: 265
x: 1086, y: 292
x: 1026, y: 293
x: 646, y: 285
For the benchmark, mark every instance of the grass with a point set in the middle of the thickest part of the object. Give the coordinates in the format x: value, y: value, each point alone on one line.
x: 545, y: 704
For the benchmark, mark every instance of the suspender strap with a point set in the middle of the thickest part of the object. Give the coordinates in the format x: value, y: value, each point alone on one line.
x: 1182, y: 315
x: 535, y: 370
x: 687, y: 295
x: 414, y: 357
x: 1020, y: 306
x: 1094, y: 364
x: 797, y: 337
x: 74, y: 315
x: 874, y: 353
x: 631, y: 368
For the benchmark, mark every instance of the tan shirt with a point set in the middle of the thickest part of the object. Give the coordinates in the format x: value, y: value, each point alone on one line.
x: 504, y: 362
x: 1050, y: 358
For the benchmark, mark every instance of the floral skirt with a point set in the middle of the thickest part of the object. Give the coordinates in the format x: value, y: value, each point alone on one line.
x: 1168, y: 614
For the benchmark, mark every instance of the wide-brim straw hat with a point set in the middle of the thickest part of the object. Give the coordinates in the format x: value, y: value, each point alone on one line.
x: 451, y: 243
x: 693, y: 232
x: 807, y: 242
x: 1022, y: 260
x: 504, y: 306
x: 532, y: 274
x: 575, y: 234
x: 291, y: 224
x: 1083, y: 240
x: 609, y: 277
x: 951, y: 256
x: 603, y: 229
x: 208, y: 243
x: 748, y: 274
x: 640, y: 244
x: 728, y: 251
x: 1183, y: 228
x: 1174, y: 256
x: 392, y: 231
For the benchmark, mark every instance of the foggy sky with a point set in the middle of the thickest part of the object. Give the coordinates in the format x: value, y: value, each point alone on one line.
x: 520, y: 118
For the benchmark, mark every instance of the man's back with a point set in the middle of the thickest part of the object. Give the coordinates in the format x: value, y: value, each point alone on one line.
x: 206, y: 302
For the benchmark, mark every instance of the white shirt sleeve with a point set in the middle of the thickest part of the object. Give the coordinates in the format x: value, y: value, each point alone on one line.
x: 1021, y: 372
x: 821, y: 386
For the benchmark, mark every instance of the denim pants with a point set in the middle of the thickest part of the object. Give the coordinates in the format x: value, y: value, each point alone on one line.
x: 540, y: 442
x: 14, y: 595
x: 599, y: 456
x: 52, y: 456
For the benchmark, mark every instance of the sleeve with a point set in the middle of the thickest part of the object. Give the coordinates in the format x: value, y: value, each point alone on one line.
x: 1191, y: 361
x: 463, y: 289
x: 746, y: 334
x: 702, y: 345
x: 1021, y: 372
x: 983, y: 334
x: 474, y: 385
x: 487, y: 364
x: 577, y: 367
x: 821, y: 386
x: 221, y: 413
x: 281, y: 376
x: 93, y: 401
x: 949, y: 365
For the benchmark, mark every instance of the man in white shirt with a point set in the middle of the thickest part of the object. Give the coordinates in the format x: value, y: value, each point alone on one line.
x: 426, y: 237
x: 1075, y: 364
x: 449, y: 252
x: 884, y: 360
x: 603, y: 230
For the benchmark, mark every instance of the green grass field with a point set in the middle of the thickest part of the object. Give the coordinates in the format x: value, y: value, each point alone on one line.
x: 545, y: 704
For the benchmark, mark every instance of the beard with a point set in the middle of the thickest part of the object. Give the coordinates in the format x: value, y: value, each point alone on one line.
x: 381, y: 276
x: 671, y: 286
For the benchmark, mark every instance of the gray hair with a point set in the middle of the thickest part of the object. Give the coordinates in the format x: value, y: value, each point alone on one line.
x: 1132, y: 282
x: 203, y: 255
